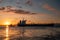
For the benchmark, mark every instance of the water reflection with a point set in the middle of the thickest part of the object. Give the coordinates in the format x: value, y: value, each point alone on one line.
x: 6, y: 38
x: 15, y: 33
x: 7, y: 33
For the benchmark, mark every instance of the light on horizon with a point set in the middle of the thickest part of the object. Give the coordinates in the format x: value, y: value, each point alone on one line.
x: 7, y: 23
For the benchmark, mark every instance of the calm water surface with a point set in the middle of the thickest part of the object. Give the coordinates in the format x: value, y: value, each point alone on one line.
x: 11, y: 33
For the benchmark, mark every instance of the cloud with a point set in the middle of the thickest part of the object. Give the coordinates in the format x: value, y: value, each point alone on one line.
x: 17, y: 1
x: 0, y: 0
x: 29, y: 2
x: 23, y: 12
x: 15, y: 10
x: 2, y: 8
x: 50, y: 8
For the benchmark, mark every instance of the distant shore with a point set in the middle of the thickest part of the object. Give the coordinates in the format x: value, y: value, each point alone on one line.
x: 51, y: 25
x: 34, y: 25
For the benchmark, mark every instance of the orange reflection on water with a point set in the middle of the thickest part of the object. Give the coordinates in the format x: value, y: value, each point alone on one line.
x: 7, y: 32
x: 7, y: 39
x: 7, y: 29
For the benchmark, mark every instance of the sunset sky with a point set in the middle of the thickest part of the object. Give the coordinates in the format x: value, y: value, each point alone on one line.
x: 45, y: 11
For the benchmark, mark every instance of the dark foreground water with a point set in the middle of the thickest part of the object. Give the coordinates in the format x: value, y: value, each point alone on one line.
x: 29, y: 33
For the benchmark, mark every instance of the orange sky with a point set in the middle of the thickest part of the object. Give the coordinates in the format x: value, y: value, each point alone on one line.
x: 14, y: 18
x: 47, y: 11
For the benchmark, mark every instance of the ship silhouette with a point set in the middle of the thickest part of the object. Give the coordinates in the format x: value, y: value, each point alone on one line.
x: 23, y: 23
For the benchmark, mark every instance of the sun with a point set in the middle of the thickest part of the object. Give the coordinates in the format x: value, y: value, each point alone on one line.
x: 7, y: 23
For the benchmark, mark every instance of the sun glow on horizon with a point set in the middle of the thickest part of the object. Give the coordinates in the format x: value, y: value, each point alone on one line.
x: 7, y: 23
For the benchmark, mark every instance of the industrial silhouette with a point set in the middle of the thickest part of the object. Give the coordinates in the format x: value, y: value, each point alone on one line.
x: 22, y: 22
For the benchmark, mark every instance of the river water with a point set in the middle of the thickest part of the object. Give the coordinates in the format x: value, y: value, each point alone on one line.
x: 18, y: 33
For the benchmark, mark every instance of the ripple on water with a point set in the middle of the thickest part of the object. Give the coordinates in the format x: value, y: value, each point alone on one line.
x: 16, y: 32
